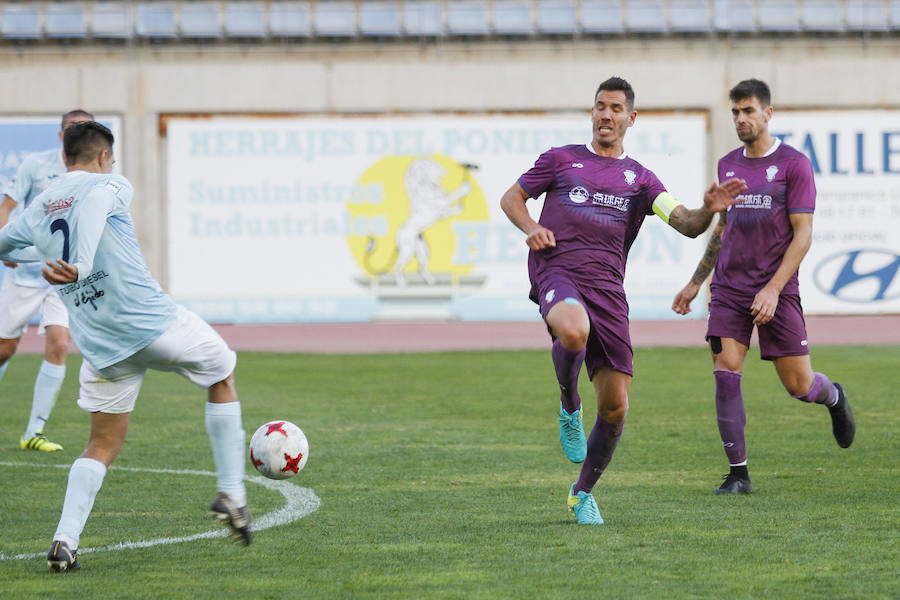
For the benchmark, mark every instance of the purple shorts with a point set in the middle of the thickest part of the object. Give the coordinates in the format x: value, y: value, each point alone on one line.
x: 784, y: 335
x: 609, y: 341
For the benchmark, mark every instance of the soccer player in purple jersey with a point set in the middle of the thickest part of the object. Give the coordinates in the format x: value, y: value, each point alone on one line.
x: 759, y: 244
x: 596, y: 200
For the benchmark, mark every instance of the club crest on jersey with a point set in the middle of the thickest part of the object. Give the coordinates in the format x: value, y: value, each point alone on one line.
x: 629, y: 176
x: 578, y: 195
x: 771, y: 172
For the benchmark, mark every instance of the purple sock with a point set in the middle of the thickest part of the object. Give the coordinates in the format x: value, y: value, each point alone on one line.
x: 600, y: 447
x: 822, y: 391
x: 568, y: 366
x: 731, y: 415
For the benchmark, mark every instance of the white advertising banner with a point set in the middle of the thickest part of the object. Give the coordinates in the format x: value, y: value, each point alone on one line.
x: 852, y: 267
x: 360, y: 218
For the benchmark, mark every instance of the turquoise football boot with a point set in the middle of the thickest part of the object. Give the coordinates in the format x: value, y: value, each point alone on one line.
x: 571, y: 435
x: 584, y: 507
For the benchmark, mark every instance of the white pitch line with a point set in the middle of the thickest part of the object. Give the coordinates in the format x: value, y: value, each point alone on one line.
x: 299, y: 502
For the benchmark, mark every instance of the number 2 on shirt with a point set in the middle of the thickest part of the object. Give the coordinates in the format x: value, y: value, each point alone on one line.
x: 62, y: 225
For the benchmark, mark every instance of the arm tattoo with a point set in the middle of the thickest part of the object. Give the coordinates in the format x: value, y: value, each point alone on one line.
x: 708, y: 262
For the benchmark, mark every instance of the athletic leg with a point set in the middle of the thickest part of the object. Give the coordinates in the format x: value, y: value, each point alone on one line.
x: 49, y: 380
x: 85, y: 479
x: 783, y: 340
x: 611, y: 388
x: 797, y: 375
x: 728, y: 360
x: 7, y: 349
x: 568, y: 323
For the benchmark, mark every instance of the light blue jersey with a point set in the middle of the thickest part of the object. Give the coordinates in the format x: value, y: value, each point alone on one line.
x: 34, y: 175
x: 116, y: 307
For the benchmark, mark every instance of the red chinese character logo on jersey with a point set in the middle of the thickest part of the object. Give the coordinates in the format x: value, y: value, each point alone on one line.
x: 273, y: 427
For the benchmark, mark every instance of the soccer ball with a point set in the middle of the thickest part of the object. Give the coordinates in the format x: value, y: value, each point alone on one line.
x: 279, y: 449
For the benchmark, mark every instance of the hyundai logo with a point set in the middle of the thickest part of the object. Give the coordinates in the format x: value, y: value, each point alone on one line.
x: 864, y: 275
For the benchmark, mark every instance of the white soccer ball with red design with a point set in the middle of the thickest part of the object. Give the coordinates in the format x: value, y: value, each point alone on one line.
x: 279, y: 449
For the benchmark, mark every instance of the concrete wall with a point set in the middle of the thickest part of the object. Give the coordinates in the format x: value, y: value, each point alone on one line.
x: 145, y: 82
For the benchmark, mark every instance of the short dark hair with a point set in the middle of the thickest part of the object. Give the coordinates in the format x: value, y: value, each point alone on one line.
x: 751, y: 88
x: 617, y: 84
x: 82, y: 142
x: 75, y: 114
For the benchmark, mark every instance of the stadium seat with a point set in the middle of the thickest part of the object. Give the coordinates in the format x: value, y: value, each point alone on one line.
x: 111, y: 20
x: 21, y: 21
x: 601, y: 16
x: 290, y: 19
x: 245, y: 19
x: 557, y: 16
x: 866, y: 15
x: 734, y: 16
x: 822, y: 15
x: 689, y: 16
x: 423, y: 18
x: 379, y: 19
x: 777, y: 15
x: 201, y: 20
x: 65, y: 20
x: 645, y: 16
x: 334, y: 19
x: 155, y: 20
x: 512, y: 17
x: 467, y: 17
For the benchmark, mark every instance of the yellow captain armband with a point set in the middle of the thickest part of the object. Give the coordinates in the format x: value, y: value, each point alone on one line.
x: 664, y: 204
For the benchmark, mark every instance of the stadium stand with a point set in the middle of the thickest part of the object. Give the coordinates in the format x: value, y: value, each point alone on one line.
x: 163, y: 21
x: 423, y: 18
x: 246, y: 19
x: 65, y: 20
x: 201, y: 20
x: 290, y: 20
x: 21, y: 21
x: 557, y: 17
x: 334, y: 19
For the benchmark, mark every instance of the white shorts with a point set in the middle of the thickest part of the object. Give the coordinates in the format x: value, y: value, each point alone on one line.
x: 190, y: 348
x: 19, y: 302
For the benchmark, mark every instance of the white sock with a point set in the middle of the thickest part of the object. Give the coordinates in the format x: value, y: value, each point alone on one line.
x: 85, y: 478
x: 3, y: 369
x: 223, y: 424
x: 46, y: 389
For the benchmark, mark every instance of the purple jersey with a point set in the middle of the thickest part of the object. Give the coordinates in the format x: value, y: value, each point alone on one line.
x: 594, y: 206
x: 758, y: 230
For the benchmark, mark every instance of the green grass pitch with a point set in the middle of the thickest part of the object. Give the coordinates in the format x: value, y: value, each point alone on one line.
x: 441, y: 476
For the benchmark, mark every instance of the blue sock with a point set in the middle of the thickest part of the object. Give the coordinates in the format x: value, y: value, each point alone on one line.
x: 3, y: 369
x: 46, y: 389
x: 223, y: 424
x: 85, y: 478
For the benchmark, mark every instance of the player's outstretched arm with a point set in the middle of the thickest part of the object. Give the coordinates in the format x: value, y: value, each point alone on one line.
x: 513, y: 204
x: 716, y: 199
x: 683, y: 299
